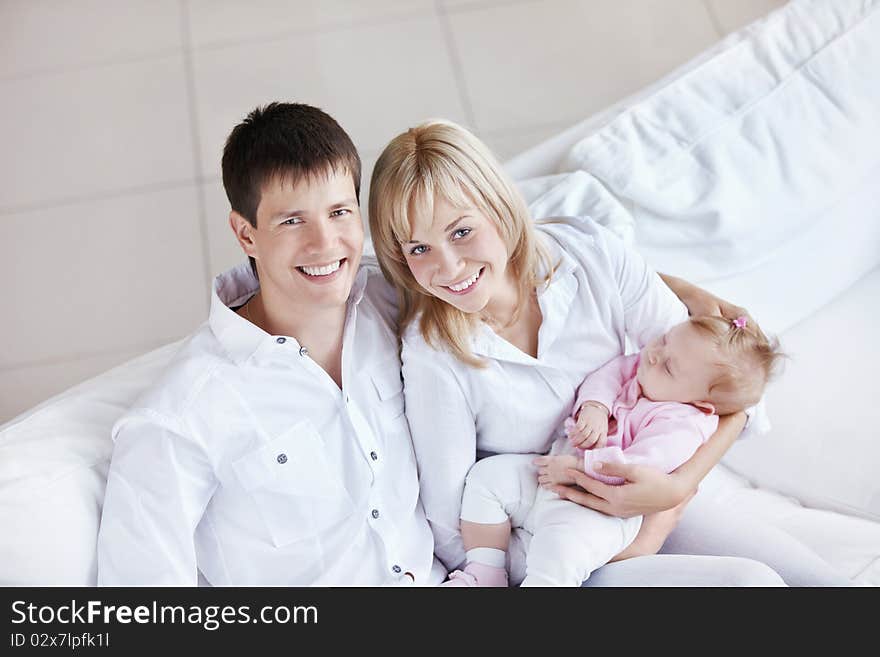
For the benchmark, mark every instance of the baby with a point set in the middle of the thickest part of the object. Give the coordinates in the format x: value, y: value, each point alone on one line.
x: 653, y: 408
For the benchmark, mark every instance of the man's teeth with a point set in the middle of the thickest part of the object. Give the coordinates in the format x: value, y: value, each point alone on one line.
x: 322, y: 271
x: 458, y: 287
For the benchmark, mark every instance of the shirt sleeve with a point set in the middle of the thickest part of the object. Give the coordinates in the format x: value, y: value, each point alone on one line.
x: 650, y: 308
x: 444, y: 439
x: 603, y: 385
x: 664, y: 444
x: 158, y: 487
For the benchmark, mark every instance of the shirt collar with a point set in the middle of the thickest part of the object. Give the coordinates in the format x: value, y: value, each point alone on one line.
x: 239, y: 337
x: 554, y: 296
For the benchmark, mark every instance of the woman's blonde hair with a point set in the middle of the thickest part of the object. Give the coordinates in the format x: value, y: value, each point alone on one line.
x: 751, y: 360
x: 441, y: 160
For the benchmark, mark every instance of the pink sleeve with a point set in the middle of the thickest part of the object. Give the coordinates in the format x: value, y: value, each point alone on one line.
x: 665, y: 444
x: 604, y: 385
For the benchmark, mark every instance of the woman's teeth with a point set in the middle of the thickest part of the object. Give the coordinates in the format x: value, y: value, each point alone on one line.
x: 460, y: 287
x: 321, y: 271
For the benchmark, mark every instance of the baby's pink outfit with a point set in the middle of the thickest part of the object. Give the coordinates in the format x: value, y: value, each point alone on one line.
x: 662, y: 435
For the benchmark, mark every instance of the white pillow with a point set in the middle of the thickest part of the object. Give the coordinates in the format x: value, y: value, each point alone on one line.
x: 824, y: 447
x: 746, y: 164
x: 53, y: 470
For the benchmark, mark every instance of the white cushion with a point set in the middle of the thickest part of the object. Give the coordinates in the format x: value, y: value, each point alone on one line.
x: 755, y: 172
x: 824, y: 448
x: 53, y: 470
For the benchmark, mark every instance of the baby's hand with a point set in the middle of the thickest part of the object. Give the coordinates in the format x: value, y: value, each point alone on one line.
x: 591, y: 428
x: 552, y: 469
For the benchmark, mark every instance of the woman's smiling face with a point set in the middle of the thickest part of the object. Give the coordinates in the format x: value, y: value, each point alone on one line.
x: 457, y: 256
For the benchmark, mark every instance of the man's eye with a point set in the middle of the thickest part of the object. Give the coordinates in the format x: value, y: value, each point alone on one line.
x: 292, y: 221
x: 461, y: 232
x: 418, y: 250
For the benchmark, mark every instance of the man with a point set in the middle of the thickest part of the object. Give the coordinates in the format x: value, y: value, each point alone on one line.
x: 274, y: 450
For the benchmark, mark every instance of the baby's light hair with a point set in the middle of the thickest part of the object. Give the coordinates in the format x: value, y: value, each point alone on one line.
x: 751, y: 359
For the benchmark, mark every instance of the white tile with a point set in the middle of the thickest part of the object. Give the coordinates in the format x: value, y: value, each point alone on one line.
x: 40, y: 35
x: 82, y: 133
x: 376, y: 81
x: 563, y: 60
x: 506, y: 145
x: 223, y: 21
x: 25, y: 387
x: 223, y: 249
x: 734, y: 14
x: 101, y: 276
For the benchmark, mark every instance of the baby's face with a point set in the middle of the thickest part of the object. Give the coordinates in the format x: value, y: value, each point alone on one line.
x: 679, y: 366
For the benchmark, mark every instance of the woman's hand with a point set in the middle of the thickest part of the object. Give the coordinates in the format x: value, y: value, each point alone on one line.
x: 654, y: 531
x: 702, y: 302
x: 646, y: 490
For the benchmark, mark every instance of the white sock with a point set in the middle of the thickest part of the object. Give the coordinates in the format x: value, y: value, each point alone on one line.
x: 487, y: 556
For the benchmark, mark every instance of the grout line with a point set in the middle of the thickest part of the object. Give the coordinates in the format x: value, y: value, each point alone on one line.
x: 457, y: 68
x: 189, y: 75
x: 486, y: 4
x: 63, y: 201
x: 317, y: 30
x: 713, y: 18
x: 138, y: 348
x: 87, y: 66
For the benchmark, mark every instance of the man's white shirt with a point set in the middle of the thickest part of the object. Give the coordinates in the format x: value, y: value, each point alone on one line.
x: 247, y: 462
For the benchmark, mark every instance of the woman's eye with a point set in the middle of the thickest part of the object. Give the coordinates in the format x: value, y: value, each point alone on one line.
x: 418, y: 250
x: 340, y: 212
x: 666, y: 365
x: 461, y: 232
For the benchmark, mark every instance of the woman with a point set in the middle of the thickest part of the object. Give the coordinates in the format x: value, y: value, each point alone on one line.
x: 501, y: 320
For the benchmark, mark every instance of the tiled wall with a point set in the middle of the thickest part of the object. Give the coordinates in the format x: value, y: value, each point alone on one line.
x: 114, y: 116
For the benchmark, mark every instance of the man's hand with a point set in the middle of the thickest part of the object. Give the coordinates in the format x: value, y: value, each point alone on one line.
x: 591, y: 428
x: 646, y: 490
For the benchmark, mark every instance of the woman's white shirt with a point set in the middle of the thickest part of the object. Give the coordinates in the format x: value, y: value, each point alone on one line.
x: 600, y: 292
x: 246, y: 461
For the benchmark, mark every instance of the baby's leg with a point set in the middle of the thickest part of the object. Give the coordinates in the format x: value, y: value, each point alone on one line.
x: 569, y: 541
x: 499, y: 492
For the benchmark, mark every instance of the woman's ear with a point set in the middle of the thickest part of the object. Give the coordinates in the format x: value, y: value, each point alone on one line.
x: 706, y: 407
x: 244, y: 233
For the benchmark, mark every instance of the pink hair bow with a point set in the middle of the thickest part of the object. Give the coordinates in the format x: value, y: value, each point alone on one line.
x: 740, y: 322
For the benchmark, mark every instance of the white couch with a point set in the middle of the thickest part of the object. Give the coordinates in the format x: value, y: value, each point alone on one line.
x: 753, y: 170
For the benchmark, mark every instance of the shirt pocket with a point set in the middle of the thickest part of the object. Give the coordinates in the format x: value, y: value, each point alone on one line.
x: 389, y: 388
x: 296, y: 490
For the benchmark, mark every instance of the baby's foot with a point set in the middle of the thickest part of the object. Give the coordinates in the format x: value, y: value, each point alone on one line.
x: 552, y: 470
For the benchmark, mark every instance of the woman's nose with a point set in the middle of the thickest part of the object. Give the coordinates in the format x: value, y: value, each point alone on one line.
x: 652, y: 358
x: 448, y: 265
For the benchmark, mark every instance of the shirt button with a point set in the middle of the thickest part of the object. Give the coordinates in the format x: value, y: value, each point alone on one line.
x: 396, y: 568
x: 282, y: 458
x: 375, y: 513
x: 280, y: 340
x: 374, y: 456
x: 303, y: 351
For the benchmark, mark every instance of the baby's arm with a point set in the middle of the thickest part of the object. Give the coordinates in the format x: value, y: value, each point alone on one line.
x: 664, y: 444
x: 588, y: 426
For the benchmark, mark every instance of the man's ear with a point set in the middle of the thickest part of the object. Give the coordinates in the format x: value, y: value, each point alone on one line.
x: 706, y: 407
x: 243, y: 231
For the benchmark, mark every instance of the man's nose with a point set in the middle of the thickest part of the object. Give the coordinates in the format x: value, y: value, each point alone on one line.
x: 324, y: 237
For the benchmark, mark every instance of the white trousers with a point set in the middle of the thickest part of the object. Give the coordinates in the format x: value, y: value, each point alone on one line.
x: 564, y: 542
